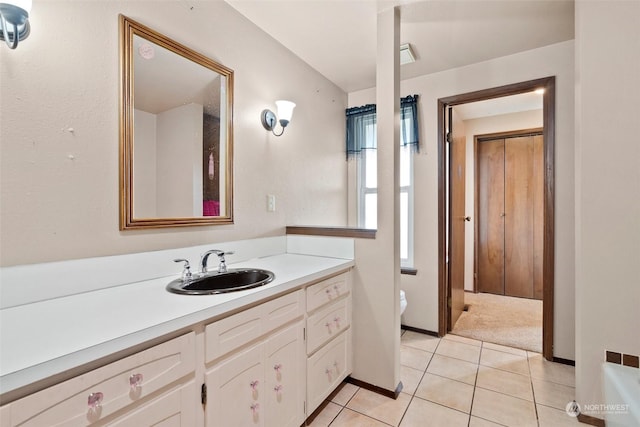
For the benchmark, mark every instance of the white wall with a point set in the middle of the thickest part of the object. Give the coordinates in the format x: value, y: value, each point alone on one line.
x: 65, y: 75
x: 555, y: 60
x: 607, y: 188
x: 482, y: 126
x: 179, y: 157
x: 144, y: 164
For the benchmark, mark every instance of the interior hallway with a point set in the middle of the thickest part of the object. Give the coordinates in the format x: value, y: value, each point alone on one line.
x: 456, y: 381
x: 499, y: 319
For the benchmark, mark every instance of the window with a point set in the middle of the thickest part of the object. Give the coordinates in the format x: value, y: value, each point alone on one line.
x: 362, y: 132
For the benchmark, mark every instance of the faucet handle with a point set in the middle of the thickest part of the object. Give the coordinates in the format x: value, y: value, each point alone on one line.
x: 186, y: 271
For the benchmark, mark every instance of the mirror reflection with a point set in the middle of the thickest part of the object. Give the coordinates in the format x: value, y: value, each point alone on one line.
x: 176, y: 148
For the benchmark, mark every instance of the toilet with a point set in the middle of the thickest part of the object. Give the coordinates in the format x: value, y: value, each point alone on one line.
x: 403, y: 302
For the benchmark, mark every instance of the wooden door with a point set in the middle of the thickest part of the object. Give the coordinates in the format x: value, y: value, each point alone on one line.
x: 518, y: 220
x: 490, y: 253
x: 510, y: 216
x: 457, y: 156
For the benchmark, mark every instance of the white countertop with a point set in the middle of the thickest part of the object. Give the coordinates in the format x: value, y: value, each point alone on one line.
x: 45, y: 338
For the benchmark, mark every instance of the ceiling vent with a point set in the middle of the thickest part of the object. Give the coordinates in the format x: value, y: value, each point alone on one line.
x: 406, y: 54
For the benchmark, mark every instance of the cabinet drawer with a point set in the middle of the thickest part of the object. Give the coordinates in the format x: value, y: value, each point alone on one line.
x: 176, y: 408
x: 328, y: 322
x: 113, y: 385
x: 327, y: 291
x: 327, y: 368
x: 239, y: 329
x: 232, y: 332
x: 280, y: 311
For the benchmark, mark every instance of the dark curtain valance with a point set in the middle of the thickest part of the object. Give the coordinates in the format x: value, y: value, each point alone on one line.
x: 361, y: 126
x: 409, y: 133
x: 361, y: 129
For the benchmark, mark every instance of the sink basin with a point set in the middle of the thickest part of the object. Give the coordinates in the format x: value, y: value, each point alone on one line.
x: 218, y: 283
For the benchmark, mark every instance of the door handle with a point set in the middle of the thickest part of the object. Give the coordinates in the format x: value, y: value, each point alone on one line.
x: 467, y: 218
x: 502, y: 215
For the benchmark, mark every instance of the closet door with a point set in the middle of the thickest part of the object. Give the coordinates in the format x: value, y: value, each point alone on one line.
x: 518, y: 220
x: 538, y: 214
x: 491, y: 176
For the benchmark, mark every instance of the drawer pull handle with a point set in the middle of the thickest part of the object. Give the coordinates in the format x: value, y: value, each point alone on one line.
x: 278, y: 388
x: 337, y: 289
x: 277, y: 368
x: 255, y: 407
x: 135, y: 380
x: 328, y: 291
x: 328, y: 325
x: 337, y: 320
x: 254, y: 385
x: 95, y: 400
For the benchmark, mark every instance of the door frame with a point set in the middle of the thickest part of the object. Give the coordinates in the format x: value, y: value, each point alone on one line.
x: 548, y: 267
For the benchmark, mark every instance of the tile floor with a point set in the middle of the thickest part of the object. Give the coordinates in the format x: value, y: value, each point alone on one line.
x: 457, y: 381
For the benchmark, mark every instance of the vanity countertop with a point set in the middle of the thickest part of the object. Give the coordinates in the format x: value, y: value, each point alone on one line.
x: 46, y: 338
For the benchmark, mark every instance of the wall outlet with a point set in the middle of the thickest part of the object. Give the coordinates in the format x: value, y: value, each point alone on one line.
x: 271, y: 203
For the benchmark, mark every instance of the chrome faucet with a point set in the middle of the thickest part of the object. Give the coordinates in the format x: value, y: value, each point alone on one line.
x: 186, y: 271
x: 222, y: 267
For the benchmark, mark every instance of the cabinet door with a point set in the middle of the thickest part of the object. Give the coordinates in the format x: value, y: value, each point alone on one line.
x: 285, y: 378
x: 236, y: 390
x: 176, y: 408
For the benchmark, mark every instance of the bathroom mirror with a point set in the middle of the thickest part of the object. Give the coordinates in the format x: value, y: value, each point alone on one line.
x: 176, y: 133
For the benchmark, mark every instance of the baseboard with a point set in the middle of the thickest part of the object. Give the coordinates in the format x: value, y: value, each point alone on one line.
x: 421, y: 331
x: 564, y: 361
x: 587, y: 419
x: 374, y: 388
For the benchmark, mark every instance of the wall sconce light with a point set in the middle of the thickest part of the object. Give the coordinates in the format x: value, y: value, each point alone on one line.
x: 285, y: 111
x: 14, y: 21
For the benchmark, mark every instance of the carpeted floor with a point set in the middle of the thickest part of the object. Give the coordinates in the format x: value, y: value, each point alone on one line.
x: 510, y: 321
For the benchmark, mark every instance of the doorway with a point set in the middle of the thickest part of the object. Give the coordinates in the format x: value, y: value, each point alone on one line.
x: 450, y: 286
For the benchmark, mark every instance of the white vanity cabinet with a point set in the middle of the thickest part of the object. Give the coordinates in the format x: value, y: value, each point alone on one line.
x: 257, y: 370
x: 329, y: 347
x: 154, y: 384
x: 269, y: 365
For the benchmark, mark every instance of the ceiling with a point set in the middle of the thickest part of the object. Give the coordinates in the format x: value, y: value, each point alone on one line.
x: 338, y: 37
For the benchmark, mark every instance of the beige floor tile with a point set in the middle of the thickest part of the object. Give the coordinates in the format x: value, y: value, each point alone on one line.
x: 454, y: 369
x: 349, y: 418
x: 345, y: 393
x: 504, y: 361
x: 458, y: 350
x: 551, y: 417
x: 422, y: 413
x: 446, y: 392
x: 551, y: 371
x: 503, y: 409
x: 504, y: 349
x: 328, y: 413
x: 479, y: 422
x: 515, y: 385
x: 410, y: 379
x: 420, y: 341
x: 414, y: 358
x: 462, y: 339
x: 380, y: 407
x: 552, y: 394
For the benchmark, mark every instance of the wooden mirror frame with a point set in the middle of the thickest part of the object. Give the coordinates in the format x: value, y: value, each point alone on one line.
x: 129, y: 29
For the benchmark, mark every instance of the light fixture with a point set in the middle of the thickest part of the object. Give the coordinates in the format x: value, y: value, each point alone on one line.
x: 14, y: 21
x: 539, y: 91
x: 285, y: 111
x: 406, y: 54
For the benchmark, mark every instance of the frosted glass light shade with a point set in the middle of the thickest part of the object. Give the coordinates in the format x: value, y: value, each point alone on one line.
x: 14, y: 21
x: 285, y: 111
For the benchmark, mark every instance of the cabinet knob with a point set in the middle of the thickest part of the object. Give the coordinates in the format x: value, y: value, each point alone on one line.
x: 255, y: 408
x: 337, y: 289
x: 278, y: 388
x: 135, y: 380
x: 95, y: 400
x: 277, y: 367
x: 337, y: 321
x: 254, y: 384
